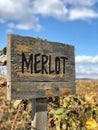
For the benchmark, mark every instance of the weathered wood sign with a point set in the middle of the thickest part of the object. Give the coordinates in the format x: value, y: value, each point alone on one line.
x: 39, y: 68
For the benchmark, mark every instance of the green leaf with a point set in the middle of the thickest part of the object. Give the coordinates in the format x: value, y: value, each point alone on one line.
x: 65, y: 104
x: 59, y: 111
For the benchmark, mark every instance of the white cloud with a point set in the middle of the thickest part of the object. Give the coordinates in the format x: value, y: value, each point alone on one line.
x: 66, y: 10
x: 24, y: 14
x: 86, y: 59
x: 26, y: 24
x: 84, y: 14
x: 86, y: 66
x: 3, y: 71
x: 81, y: 3
x: 9, y: 30
x: 54, y: 8
x: 19, y: 12
x: 2, y: 21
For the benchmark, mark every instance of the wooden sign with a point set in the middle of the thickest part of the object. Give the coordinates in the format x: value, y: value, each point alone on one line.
x: 39, y: 68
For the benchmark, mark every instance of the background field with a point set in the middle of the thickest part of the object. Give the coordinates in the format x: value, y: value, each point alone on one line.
x: 64, y: 113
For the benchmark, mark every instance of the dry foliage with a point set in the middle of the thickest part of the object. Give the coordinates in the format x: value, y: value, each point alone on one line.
x: 72, y: 113
x: 76, y: 112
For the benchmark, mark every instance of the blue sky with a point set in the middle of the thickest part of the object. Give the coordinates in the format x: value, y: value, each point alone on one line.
x: 73, y: 22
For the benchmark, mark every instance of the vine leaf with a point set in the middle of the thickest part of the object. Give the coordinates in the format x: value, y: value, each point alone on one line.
x: 91, y: 124
x: 59, y: 111
x: 16, y: 103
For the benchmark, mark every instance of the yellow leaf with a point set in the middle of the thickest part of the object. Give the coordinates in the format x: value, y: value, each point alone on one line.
x: 73, y: 124
x: 91, y: 124
x: 64, y: 126
x: 90, y: 98
x: 16, y: 103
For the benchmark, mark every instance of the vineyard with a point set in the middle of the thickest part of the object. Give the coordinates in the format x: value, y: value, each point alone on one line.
x: 74, y: 112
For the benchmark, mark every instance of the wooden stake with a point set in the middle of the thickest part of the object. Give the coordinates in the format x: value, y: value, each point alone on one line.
x: 39, y: 114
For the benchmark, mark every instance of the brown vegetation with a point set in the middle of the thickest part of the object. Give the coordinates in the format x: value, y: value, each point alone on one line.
x: 15, y: 115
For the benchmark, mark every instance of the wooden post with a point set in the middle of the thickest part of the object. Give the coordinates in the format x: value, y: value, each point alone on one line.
x: 39, y: 114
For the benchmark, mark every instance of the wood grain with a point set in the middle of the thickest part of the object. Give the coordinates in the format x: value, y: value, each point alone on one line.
x: 33, y: 65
